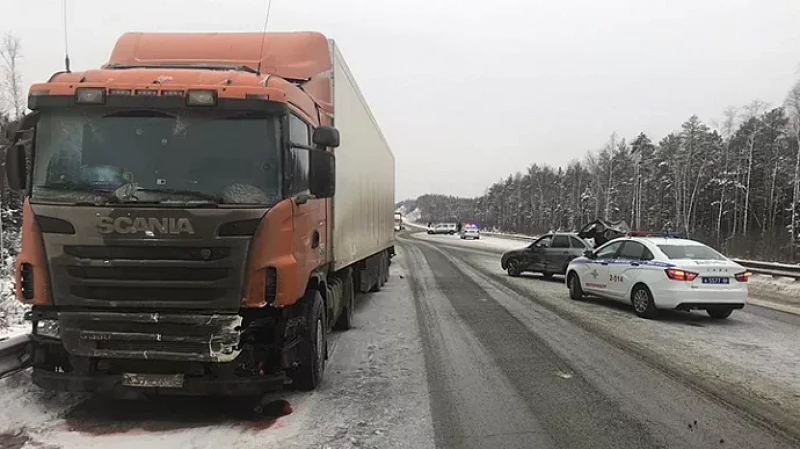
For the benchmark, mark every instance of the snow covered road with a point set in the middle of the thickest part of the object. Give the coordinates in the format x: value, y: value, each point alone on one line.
x: 749, y: 361
x: 457, y: 355
x: 374, y: 396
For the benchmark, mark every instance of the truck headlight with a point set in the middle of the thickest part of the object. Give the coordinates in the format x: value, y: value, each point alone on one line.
x: 47, y: 328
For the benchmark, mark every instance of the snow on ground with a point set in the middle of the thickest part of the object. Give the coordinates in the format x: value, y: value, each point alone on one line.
x: 493, y: 244
x: 11, y: 311
x: 779, y: 293
x: 749, y: 352
x: 782, y: 289
x: 374, y: 395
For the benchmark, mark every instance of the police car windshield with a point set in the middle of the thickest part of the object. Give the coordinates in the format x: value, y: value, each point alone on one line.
x: 167, y: 156
x: 690, y: 252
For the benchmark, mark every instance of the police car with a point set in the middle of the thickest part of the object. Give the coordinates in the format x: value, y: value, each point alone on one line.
x: 653, y: 272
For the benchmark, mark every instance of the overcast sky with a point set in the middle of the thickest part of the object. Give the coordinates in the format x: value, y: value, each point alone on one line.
x: 467, y: 91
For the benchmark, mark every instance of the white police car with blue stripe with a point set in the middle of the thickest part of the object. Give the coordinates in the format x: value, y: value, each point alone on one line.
x: 660, y: 273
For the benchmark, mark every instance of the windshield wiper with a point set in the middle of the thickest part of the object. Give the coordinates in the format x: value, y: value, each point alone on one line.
x: 108, y: 196
x: 199, y: 195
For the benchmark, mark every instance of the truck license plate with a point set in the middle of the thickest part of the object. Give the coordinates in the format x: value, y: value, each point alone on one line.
x: 152, y: 380
x: 715, y: 280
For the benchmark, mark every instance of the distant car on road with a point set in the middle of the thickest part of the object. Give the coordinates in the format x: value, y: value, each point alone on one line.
x: 654, y: 273
x: 549, y: 254
x: 470, y: 232
x: 443, y: 228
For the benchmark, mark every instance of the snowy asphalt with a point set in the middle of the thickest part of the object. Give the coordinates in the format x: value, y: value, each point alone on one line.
x: 454, y: 354
x: 512, y: 362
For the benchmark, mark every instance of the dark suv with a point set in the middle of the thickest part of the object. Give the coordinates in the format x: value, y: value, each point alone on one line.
x: 549, y: 254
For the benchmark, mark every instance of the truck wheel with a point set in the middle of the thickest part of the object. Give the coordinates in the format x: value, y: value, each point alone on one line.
x: 378, y: 284
x: 382, y: 270
x: 345, y: 320
x: 312, y: 349
x: 386, y: 268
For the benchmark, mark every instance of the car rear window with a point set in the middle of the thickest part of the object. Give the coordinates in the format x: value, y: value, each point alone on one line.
x: 691, y: 252
x: 577, y: 243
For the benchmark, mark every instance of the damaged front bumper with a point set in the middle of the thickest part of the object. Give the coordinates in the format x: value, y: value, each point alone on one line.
x: 139, y: 352
x: 151, y: 336
x: 191, y: 386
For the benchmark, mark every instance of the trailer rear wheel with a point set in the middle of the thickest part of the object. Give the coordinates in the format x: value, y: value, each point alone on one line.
x: 382, y: 270
x: 387, y: 262
x: 345, y: 320
x: 312, y: 350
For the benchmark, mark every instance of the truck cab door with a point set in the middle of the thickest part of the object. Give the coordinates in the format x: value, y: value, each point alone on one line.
x: 309, y: 214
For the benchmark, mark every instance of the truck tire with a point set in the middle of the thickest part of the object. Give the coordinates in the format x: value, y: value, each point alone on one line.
x: 345, y: 320
x: 312, y: 350
x: 386, y: 267
x: 381, y: 270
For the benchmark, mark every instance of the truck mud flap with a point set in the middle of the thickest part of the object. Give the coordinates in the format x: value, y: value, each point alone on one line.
x: 15, y: 355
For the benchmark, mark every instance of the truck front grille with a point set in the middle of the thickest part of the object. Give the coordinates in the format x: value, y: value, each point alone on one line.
x: 170, y: 276
x: 187, y: 347
x: 147, y: 293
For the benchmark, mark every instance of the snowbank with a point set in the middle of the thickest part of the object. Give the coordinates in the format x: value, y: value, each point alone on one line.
x: 781, y: 290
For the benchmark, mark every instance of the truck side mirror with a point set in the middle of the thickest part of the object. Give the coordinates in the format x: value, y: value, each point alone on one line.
x: 322, y: 173
x: 16, y: 167
x: 325, y: 136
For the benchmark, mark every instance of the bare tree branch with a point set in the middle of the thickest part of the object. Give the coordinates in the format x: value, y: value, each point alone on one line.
x: 11, y: 89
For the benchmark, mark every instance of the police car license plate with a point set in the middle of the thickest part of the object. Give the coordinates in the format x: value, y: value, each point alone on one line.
x: 152, y: 380
x: 715, y: 280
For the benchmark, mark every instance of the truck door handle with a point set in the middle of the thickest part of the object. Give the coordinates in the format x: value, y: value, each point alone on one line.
x: 315, y: 239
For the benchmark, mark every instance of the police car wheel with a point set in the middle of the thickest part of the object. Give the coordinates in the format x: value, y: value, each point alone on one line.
x: 574, y: 284
x: 719, y: 314
x: 643, y: 304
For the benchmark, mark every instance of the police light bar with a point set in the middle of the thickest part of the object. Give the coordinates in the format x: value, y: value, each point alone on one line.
x: 674, y: 235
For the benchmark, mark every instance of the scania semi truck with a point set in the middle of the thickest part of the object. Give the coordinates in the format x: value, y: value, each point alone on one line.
x: 199, y: 214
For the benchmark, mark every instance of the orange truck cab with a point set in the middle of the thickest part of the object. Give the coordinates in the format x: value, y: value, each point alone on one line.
x: 200, y: 213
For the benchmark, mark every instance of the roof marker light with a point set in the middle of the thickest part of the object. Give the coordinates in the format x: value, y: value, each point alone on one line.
x: 90, y: 95
x: 202, y: 98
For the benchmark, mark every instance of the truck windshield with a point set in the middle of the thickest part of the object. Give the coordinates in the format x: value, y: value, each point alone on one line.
x: 167, y: 157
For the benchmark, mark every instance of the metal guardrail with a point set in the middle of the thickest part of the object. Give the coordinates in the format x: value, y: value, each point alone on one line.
x: 523, y: 238
x: 771, y: 268
x: 15, y: 354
